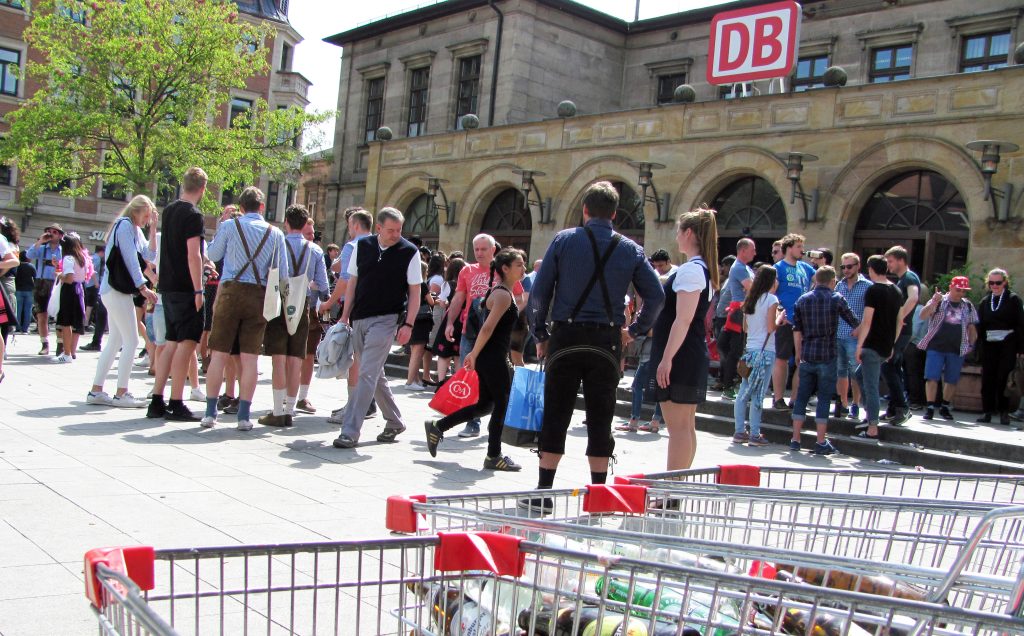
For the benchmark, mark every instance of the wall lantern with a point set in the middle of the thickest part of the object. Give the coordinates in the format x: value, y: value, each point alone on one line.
x: 646, y: 182
x: 433, y: 189
x: 794, y: 168
x: 529, y: 188
x: 990, y: 150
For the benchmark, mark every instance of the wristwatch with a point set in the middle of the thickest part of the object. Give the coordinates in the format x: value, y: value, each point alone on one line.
x: 405, y: 324
x: 197, y: 292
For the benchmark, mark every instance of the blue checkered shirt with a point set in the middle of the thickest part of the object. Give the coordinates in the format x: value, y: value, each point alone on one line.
x: 228, y: 246
x: 855, y: 299
x: 816, y: 315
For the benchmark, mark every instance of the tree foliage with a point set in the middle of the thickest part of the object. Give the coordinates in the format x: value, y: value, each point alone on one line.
x: 136, y: 91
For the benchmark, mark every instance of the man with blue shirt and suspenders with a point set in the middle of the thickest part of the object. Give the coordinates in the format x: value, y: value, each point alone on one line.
x: 794, y: 280
x: 43, y: 254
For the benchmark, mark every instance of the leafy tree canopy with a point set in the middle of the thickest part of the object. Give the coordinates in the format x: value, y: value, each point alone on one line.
x: 136, y: 91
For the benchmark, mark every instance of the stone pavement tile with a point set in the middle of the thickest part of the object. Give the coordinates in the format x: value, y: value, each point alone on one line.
x: 136, y: 514
x: 30, y: 581
x: 24, y: 492
x: 43, y: 458
x: 11, y: 476
x: 269, y: 533
x: 154, y: 479
x: 68, y: 613
x: 187, y: 464
x: 17, y: 549
x: 217, y: 509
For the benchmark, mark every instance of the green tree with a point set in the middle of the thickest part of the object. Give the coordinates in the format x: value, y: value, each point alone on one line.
x: 136, y: 91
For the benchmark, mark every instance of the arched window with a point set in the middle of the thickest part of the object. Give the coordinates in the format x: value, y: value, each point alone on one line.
x: 421, y: 221
x: 923, y: 212
x: 507, y: 220
x: 629, y: 216
x: 749, y: 207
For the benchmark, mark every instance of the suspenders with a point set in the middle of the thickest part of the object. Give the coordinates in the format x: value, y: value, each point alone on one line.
x: 598, y: 276
x: 251, y: 262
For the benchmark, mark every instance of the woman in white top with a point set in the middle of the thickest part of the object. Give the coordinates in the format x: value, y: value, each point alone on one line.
x: 126, y: 234
x: 760, y: 318
x: 76, y: 268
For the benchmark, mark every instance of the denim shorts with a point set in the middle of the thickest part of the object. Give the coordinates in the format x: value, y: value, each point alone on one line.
x: 942, y: 365
x: 156, y: 328
x: 846, y: 358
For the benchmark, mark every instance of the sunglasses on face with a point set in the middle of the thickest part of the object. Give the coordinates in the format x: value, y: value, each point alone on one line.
x: 995, y: 283
x: 848, y: 266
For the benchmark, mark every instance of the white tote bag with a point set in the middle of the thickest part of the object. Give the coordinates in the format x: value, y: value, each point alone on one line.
x: 272, y: 299
x: 296, y: 289
x: 53, y: 307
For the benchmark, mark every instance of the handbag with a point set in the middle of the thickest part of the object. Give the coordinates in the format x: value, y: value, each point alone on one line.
x: 53, y: 306
x: 117, y: 272
x: 526, y: 400
x: 297, y: 288
x: 742, y: 368
x: 462, y: 389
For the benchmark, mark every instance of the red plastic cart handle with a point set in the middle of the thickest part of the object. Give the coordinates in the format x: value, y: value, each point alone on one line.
x: 461, y: 551
x: 617, y: 498
x: 739, y: 475
x: 135, y: 562
x: 400, y: 516
x: 627, y: 479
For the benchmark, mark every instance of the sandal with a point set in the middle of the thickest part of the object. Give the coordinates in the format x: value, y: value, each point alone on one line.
x: 631, y: 427
x: 651, y: 427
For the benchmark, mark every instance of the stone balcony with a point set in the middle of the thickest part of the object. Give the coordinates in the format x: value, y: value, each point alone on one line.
x: 289, y: 86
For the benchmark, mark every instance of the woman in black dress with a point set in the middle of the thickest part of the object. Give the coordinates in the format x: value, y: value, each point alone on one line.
x: 1001, y: 336
x: 489, y: 358
x: 680, y: 350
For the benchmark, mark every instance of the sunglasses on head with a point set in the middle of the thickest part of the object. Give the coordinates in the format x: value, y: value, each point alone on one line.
x: 995, y: 283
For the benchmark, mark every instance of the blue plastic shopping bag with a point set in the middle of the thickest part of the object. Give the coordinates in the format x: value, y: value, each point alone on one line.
x: 526, y: 401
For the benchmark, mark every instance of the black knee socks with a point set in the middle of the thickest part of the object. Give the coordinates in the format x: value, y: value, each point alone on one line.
x: 546, y: 478
x: 598, y: 478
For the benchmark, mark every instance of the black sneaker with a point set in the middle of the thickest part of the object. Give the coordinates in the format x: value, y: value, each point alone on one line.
x: 537, y: 505
x: 502, y: 462
x: 986, y: 418
x: 388, y: 435
x: 157, y: 408
x: 944, y: 412
x: 231, y: 408
x: 929, y: 413
x: 434, y: 436
x: 179, y: 413
x: 841, y: 411
x: 92, y: 346
x: 901, y: 417
x: 223, y: 402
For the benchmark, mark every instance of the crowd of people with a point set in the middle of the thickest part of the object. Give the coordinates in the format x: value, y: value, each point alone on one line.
x: 825, y: 334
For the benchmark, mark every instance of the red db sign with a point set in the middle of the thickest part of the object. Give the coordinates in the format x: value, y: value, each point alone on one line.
x: 754, y: 43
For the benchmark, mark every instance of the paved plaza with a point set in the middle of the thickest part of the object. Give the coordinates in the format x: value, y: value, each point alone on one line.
x: 75, y: 477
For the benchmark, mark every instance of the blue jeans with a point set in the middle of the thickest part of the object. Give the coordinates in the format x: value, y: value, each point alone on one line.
x: 752, y: 393
x: 24, y: 300
x: 868, y: 374
x: 892, y: 371
x: 640, y: 380
x: 815, y: 378
x: 846, y: 360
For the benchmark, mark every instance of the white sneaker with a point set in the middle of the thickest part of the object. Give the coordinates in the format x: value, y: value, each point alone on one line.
x: 64, y: 358
x: 128, y: 401
x: 336, y: 416
x: 197, y: 395
x: 99, y: 398
x: 143, y: 361
x: 208, y: 422
x: 415, y: 386
x: 244, y: 425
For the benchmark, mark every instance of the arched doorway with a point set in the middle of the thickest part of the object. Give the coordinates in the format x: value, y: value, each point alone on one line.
x: 923, y: 212
x: 629, y: 216
x: 749, y: 207
x: 421, y: 221
x: 507, y: 220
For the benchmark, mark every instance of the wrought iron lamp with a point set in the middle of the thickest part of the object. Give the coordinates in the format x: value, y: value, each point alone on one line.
x: 646, y: 182
x: 990, y: 150
x: 794, y: 168
x: 529, y: 188
x: 433, y: 189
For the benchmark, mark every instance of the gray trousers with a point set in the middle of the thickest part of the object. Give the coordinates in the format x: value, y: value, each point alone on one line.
x: 372, y: 339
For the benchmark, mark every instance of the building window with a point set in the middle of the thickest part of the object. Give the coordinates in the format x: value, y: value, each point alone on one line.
x: 5, y: 174
x: 469, y: 88
x: 749, y: 207
x: 985, y: 51
x: 891, y: 63
x: 418, y: 102
x: 270, y: 208
x: 9, y: 61
x: 239, y: 107
x: 286, y: 57
x: 60, y: 186
x: 421, y: 220
x: 289, y: 196
x: 75, y: 15
x: 374, y: 107
x: 113, y: 192
x: 810, y: 73
x: 667, y: 85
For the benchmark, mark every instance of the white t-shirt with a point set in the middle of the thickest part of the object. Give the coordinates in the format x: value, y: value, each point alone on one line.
x: 5, y: 246
x: 446, y: 292
x: 436, y: 279
x: 413, y: 274
x: 690, y: 277
x: 757, y: 324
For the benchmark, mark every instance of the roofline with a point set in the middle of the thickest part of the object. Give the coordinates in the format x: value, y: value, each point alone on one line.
x: 444, y: 9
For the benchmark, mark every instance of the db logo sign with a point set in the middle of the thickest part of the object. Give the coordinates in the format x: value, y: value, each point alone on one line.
x: 460, y: 389
x: 754, y: 43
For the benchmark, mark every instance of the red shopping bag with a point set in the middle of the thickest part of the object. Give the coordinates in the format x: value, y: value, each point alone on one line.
x: 459, y: 391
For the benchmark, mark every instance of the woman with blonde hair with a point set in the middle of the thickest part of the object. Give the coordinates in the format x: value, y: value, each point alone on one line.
x: 680, y: 350
x: 125, y: 234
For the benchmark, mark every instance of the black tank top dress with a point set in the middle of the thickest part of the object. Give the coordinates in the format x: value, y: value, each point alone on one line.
x: 688, y: 380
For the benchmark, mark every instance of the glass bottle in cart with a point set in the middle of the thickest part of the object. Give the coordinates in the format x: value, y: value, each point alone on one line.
x: 457, y: 614
x: 612, y: 624
x: 698, y: 604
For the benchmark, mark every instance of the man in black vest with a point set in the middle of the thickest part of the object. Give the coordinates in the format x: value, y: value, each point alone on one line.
x: 386, y: 275
x: 583, y: 279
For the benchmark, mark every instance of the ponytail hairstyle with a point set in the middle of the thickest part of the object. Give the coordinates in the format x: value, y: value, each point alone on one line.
x: 763, y: 281
x: 506, y: 256
x: 705, y: 228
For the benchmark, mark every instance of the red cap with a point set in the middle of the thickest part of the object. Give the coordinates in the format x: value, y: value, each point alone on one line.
x: 960, y: 282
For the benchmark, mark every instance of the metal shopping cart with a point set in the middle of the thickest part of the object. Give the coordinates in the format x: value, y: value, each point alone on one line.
x: 479, y: 583
x: 966, y: 553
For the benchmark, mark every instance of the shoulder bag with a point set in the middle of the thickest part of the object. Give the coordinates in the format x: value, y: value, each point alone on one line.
x: 118, y: 276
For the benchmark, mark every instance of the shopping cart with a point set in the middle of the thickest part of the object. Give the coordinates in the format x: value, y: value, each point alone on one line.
x: 914, y: 484
x: 479, y: 583
x: 965, y: 553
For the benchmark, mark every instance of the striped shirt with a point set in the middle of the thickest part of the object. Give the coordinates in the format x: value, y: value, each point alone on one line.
x: 227, y: 245
x: 855, y: 299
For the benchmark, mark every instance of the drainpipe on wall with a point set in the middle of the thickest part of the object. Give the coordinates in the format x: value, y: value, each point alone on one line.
x: 497, y: 58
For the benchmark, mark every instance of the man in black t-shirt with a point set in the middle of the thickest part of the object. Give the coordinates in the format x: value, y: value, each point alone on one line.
x: 879, y: 330
x: 909, y: 285
x: 181, y: 292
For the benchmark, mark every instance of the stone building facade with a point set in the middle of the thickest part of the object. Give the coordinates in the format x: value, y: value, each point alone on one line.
x: 90, y: 216
x: 924, y: 79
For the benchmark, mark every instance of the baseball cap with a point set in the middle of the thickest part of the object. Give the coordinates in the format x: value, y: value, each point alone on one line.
x: 960, y: 282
